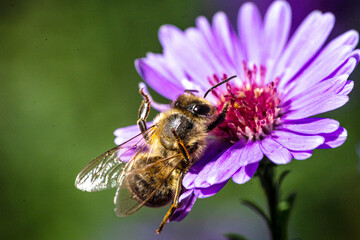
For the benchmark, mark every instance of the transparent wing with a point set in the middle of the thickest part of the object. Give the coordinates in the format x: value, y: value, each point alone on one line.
x: 103, y: 172
x: 125, y: 203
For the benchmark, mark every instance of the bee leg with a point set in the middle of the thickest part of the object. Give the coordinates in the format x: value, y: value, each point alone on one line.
x: 174, y: 205
x: 220, y: 118
x: 144, y: 111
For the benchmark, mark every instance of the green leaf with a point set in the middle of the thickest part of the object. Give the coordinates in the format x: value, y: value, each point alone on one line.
x: 256, y: 209
x: 234, y: 236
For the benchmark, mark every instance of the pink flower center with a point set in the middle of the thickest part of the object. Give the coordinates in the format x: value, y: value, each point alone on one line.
x: 253, y: 108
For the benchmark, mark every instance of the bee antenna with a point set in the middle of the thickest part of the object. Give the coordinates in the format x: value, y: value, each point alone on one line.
x: 215, y: 86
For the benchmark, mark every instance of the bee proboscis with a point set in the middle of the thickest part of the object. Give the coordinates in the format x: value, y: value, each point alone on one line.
x: 148, y: 169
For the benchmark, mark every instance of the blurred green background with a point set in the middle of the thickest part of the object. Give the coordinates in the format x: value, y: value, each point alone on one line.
x: 68, y: 81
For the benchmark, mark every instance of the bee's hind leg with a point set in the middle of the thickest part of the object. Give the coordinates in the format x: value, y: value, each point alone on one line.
x: 174, y: 205
x: 144, y: 111
x: 185, y: 164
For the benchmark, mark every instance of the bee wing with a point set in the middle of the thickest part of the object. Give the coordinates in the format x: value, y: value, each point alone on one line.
x: 103, y: 172
x: 125, y: 202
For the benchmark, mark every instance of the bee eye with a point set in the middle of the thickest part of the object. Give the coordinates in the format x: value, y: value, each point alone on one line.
x: 201, y: 109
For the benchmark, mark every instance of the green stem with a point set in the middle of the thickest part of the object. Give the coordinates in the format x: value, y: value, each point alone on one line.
x: 272, y: 192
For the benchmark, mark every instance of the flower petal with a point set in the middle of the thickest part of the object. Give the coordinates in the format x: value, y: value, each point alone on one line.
x: 301, y: 155
x: 151, y: 70
x: 311, y: 125
x: 188, y: 53
x: 277, y: 23
x: 348, y: 66
x: 319, y: 69
x: 209, y: 191
x: 125, y: 133
x: 228, y: 42
x: 245, y: 173
x: 324, y: 104
x: 275, y: 152
x: 347, y: 88
x: 228, y: 164
x: 350, y: 37
x: 304, y: 44
x: 157, y: 106
x: 209, y: 46
x: 186, y: 202
x: 297, y: 142
x: 334, y: 139
x: 214, y: 150
x: 319, y: 92
x: 249, y: 28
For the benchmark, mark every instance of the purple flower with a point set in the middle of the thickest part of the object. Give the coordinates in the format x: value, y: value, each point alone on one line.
x: 282, y: 82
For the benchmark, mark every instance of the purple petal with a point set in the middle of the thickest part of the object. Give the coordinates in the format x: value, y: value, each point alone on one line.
x: 350, y: 37
x: 167, y: 67
x: 204, y: 27
x: 228, y: 42
x: 356, y: 54
x: 304, y: 44
x: 205, y: 54
x: 150, y: 72
x: 245, y: 173
x: 277, y: 24
x: 311, y: 125
x: 216, y: 48
x: 324, y: 104
x: 188, y: 52
x: 275, y: 152
x: 168, y: 34
x: 317, y: 93
x: 215, y: 149
x: 297, y: 142
x: 209, y: 191
x: 301, y: 155
x: 186, y: 202
x: 228, y: 163
x: 319, y: 69
x: 249, y: 28
x: 129, y: 137
x: 347, y: 88
x: 209, y: 46
x: 125, y: 133
x: 334, y: 139
x: 348, y: 66
x: 185, y: 53
x: 157, y: 106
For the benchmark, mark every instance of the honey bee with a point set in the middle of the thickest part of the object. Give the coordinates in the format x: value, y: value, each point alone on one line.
x: 148, y: 169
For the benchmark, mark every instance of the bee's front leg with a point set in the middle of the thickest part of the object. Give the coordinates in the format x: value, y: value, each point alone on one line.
x: 144, y: 111
x: 220, y: 118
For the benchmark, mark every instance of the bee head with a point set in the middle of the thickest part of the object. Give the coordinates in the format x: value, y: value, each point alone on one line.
x: 197, y: 106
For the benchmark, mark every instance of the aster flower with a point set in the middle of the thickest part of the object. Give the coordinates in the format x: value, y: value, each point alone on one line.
x: 282, y: 82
